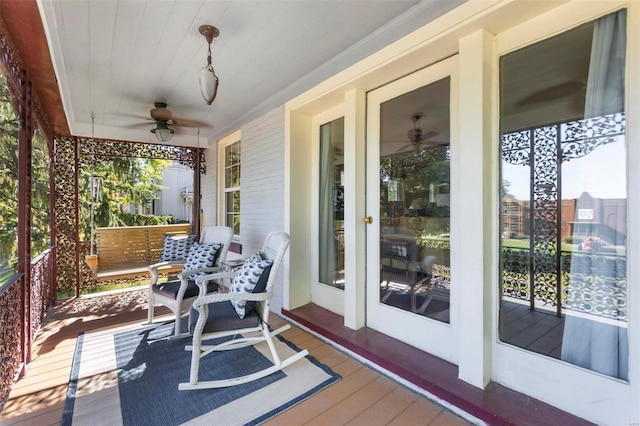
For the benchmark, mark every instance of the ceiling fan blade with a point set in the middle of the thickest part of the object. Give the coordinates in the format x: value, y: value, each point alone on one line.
x: 429, y: 135
x: 434, y: 144
x: 404, y: 148
x: 148, y: 125
x: 183, y: 122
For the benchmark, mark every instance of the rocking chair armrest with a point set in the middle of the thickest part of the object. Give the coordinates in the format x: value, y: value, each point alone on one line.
x: 224, y: 297
x: 153, y: 269
x: 159, y: 265
x: 220, y: 275
x: 185, y: 274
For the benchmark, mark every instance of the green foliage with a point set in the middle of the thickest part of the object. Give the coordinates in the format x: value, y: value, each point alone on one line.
x: 8, y: 179
x: 127, y: 183
x: 40, y: 205
x: 145, y: 219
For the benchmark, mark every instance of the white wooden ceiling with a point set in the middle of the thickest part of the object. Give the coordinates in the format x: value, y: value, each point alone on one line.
x: 115, y: 58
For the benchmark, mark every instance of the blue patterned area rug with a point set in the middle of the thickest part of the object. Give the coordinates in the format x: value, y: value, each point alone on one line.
x: 131, y: 377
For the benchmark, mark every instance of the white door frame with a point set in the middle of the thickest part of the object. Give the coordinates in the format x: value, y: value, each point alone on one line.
x: 323, y: 295
x: 563, y: 384
x: 432, y: 336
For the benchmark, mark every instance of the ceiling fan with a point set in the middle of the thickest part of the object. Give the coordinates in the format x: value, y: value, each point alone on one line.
x: 417, y: 137
x: 166, y: 124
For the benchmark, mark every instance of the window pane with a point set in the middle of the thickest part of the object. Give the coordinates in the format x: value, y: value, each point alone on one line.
x: 234, y: 176
x: 232, y: 201
x: 331, y: 204
x: 563, y: 197
x: 415, y: 266
x: 232, y: 154
x: 232, y: 180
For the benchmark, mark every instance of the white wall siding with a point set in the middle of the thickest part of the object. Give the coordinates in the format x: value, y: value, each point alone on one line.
x: 177, y: 180
x: 209, y: 187
x: 262, y: 186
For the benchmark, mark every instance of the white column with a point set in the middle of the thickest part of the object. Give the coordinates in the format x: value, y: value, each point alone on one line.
x: 476, y: 216
x: 354, y: 208
x: 297, y: 210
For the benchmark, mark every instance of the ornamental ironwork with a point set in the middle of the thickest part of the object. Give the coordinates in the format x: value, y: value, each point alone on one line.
x: 66, y: 214
x: 74, y: 154
x: 540, y: 273
x: 42, y: 290
x: 11, y: 349
x: 96, y: 151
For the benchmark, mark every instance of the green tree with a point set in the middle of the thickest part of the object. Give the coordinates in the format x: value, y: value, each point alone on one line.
x: 125, y: 182
x: 8, y: 179
x: 40, y: 190
x: 40, y: 228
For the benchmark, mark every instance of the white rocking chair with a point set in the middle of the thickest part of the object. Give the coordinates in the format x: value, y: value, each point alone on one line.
x: 177, y: 295
x: 213, y: 316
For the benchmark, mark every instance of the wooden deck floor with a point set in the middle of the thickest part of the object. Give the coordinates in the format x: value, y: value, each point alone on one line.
x: 362, y: 397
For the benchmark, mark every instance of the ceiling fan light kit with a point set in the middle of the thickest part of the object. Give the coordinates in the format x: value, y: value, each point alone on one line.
x: 162, y: 131
x: 208, y: 78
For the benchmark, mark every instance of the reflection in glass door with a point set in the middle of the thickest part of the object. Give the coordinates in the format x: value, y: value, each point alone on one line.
x: 414, y: 202
x: 409, y: 200
x: 563, y: 216
x: 331, y: 204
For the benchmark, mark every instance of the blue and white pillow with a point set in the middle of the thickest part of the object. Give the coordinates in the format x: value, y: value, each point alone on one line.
x: 251, y: 278
x: 201, y: 256
x: 176, y: 247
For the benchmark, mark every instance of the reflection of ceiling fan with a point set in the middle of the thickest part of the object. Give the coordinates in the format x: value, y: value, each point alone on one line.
x: 417, y: 137
x: 166, y: 124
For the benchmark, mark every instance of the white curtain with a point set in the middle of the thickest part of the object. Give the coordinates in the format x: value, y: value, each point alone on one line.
x: 590, y: 341
x: 327, y: 251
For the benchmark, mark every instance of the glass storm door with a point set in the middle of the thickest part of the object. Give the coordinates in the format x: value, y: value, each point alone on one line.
x: 328, y: 287
x: 408, y: 199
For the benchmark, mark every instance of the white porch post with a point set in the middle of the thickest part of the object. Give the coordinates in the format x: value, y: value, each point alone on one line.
x: 354, y: 229
x: 297, y: 210
x: 476, y: 228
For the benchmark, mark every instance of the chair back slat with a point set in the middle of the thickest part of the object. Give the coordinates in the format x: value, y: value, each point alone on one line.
x: 275, y: 246
x: 218, y: 234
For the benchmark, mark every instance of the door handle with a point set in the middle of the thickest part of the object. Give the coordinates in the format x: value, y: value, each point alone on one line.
x: 368, y: 219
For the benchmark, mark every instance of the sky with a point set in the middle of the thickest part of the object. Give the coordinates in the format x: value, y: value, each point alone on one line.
x: 601, y: 173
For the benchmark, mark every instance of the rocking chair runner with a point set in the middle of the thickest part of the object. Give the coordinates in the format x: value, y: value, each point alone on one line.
x: 214, y: 315
x: 176, y: 294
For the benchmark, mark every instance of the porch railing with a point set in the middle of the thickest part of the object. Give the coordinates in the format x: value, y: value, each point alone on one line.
x: 22, y: 314
x: 592, y: 283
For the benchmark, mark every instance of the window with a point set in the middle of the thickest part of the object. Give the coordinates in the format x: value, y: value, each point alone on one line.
x: 231, y: 186
x: 563, y: 265
x: 331, y: 204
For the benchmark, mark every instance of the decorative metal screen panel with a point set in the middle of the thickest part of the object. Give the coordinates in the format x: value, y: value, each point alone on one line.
x: 73, y: 154
x: 42, y: 290
x: 11, y: 301
x: 542, y: 271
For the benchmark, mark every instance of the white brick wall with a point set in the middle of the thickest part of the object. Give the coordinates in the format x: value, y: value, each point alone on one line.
x: 262, y: 186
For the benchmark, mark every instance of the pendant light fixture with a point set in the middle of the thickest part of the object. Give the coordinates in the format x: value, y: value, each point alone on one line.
x: 208, y: 78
